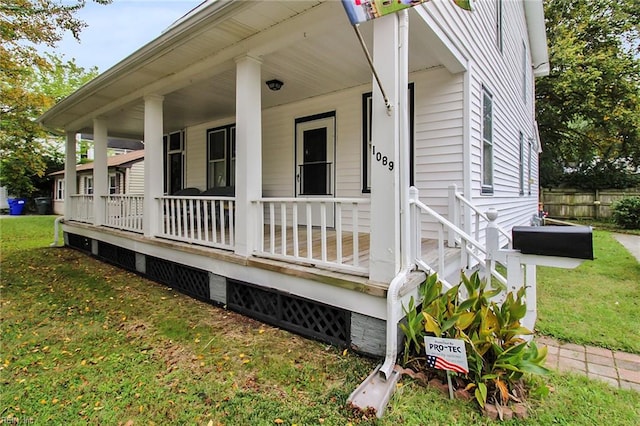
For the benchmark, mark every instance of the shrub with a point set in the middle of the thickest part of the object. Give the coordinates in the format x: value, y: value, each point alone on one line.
x: 626, y: 213
x: 497, y: 355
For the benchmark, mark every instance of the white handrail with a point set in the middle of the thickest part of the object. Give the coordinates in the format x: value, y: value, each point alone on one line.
x: 483, y: 215
x: 469, y: 245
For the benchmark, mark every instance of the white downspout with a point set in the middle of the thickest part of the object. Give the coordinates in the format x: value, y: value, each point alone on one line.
x: 56, y: 231
x: 393, y: 317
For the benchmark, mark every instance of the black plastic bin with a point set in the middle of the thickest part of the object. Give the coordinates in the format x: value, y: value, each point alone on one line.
x: 43, y: 204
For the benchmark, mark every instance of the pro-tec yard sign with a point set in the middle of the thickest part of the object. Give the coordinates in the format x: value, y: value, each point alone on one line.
x: 446, y: 354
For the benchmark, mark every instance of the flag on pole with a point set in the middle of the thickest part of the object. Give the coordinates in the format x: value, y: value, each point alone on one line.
x: 360, y: 11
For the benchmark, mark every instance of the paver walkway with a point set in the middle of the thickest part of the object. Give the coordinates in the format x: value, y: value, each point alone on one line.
x: 620, y: 369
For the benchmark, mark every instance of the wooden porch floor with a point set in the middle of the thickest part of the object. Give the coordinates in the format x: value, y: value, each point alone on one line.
x: 331, y: 252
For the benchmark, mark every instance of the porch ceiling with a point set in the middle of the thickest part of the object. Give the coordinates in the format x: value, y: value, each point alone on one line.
x: 308, y: 45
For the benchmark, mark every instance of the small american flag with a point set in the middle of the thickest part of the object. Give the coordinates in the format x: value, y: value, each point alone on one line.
x: 442, y: 364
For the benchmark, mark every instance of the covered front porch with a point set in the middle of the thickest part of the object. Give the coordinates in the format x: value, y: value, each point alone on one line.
x: 305, y: 189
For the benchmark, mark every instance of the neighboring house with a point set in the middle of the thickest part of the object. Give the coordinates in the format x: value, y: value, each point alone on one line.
x: 115, y: 146
x: 303, y: 214
x: 125, y: 176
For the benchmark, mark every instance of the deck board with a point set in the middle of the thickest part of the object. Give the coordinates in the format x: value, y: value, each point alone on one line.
x: 429, y: 247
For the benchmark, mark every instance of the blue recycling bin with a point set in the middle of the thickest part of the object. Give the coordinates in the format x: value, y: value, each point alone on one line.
x: 16, y: 206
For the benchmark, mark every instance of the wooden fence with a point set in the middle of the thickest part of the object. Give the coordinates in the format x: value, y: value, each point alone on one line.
x: 580, y: 203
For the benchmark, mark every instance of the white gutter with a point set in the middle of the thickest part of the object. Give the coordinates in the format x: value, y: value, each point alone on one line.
x: 534, y: 14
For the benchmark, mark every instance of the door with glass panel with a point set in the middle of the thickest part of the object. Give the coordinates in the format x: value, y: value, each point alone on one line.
x: 315, y: 165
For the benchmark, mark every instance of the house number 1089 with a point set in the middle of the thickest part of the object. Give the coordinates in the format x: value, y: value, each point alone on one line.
x: 381, y: 158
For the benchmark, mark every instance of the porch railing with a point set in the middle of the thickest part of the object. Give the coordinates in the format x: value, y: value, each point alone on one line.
x: 477, y: 219
x: 319, y: 231
x: 81, y: 208
x: 472, y: 251
x: 124, y: 212
x: 207, y: 221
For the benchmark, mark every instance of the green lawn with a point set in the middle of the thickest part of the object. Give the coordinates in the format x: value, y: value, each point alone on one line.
x: 87, y: 343
x: 596, y: 303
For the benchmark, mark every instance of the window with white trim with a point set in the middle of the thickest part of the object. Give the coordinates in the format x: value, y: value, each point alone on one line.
x: 525, y: 72
x: 499, y: 25
x: 59, y: 189
x: 487, y: 142
x: 114, y: 183
x: 521, y: 164
x: 88, y: 184
x: 173, y: 147
x: 221, y: 156
x: 529, y: 167
x: 367, y: 147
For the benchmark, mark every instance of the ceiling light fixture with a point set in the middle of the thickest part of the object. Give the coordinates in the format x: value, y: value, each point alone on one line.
x: 274, y: 84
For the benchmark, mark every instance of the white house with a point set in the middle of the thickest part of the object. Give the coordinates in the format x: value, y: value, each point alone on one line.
x: 304, y: 214
x: 125, y: 176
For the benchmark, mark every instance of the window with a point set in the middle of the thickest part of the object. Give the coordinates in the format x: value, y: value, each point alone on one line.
x: 529, y: 166
x: 59, y: 189
x: 487, y: 142
x: 88, y: 184
x: 521, y: 164
x: 114, y: 183
x: 499, y: 13
x: 173, y: 146
x: 367, y: 118
x: 525, y: 72
x: 221, y: 156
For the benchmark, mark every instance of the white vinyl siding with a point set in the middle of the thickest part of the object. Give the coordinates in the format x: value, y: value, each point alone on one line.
x: 476, y: 35
x: 438, y: 135
x: 135, y: 178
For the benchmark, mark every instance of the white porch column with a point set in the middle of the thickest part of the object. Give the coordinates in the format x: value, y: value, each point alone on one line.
x: 70, y: 180
x: 153, y: 173
x: 384, y: 254
x: 100, y: 170
x: 248, y: 151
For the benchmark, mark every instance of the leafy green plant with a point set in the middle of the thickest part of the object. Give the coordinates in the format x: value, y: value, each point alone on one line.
x: 626, y: 212
x: 497, y: 355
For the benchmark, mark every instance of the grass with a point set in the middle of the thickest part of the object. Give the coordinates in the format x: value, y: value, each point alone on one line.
x: 86, y: 343
x: 596, y: 303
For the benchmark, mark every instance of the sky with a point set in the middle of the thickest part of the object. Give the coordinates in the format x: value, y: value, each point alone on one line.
x: 118, y: 29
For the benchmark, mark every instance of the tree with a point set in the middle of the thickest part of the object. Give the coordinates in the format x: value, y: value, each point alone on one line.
x: 588, y: 107
x: 27, y: 151
x: 28, y: 82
